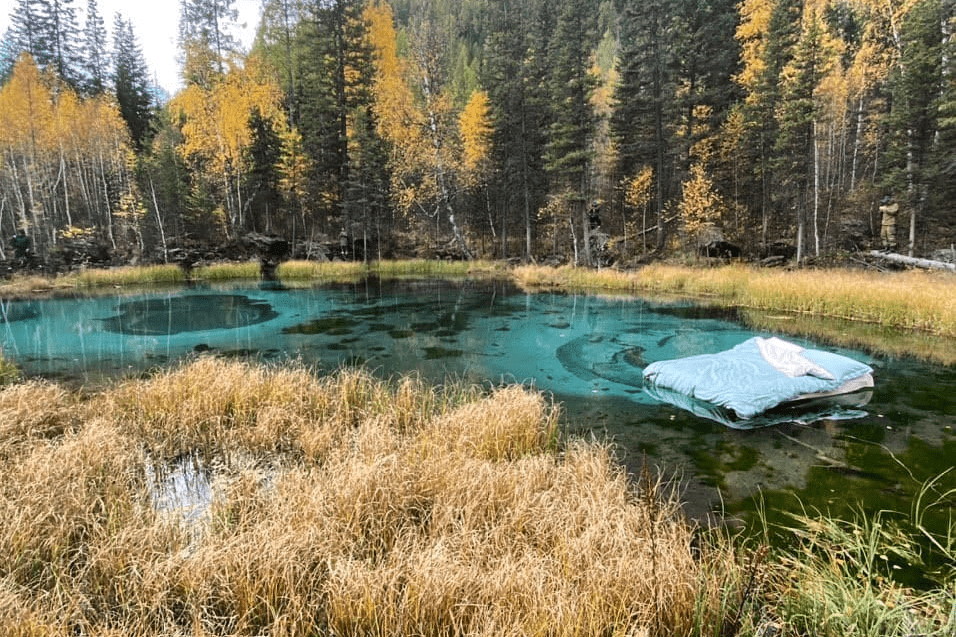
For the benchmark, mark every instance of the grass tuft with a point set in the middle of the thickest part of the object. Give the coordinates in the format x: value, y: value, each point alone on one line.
x: 226, y: 271
x: 838, y: 580
x: 92, y: 278
x: 354, y: 506
x: 337, y: 271
x: 343, y: 505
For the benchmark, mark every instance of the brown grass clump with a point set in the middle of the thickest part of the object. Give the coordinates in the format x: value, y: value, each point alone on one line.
x: 342, y: 505
x: 32, y: 411
x: 909, y: 300
x: 352, y: 506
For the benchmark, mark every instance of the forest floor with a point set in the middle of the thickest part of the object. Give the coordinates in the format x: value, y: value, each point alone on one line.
x: 847, y: 301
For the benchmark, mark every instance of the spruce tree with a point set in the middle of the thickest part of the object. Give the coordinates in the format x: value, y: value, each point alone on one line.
x: 644, y: 100
x: 519, y: 113
x: 757, y: 148
x: 130, y: 81
x: 796, y: 118
x: 276, y: 43
x: 945, y: 151
x: 61, y: 34
x: 702, y: 57
x: 8, y: 56
x: 95, y: 61
x: 205, y: 42
x: 568, y: 153
x: 47, y: 30
x: 24, y: 33
x: 915, y: 87
x: 335, y: 70
x: 262, y: 179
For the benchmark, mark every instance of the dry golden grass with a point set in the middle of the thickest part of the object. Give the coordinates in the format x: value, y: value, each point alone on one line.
x: 296, y: 271
x: 912, y: 300
x: 343, y: 505
x: 302, y: 270
x: 227, y: 271
x: 352, y: 506
x: 110, y: 277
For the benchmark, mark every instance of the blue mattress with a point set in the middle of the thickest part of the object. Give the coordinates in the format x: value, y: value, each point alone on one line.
x: 742, y: 383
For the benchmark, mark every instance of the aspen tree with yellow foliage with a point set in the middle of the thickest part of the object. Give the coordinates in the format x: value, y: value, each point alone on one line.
x: 217, y: 135
x: 60, y: 155
x: 637, y: 196
x: 476, y: 130
x: 700, y: 207
x: 416, y: 117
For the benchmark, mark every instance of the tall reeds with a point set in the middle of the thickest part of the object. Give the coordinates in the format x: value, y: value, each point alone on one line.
x: 837, y: 579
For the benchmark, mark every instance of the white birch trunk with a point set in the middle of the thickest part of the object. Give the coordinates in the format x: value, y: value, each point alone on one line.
x: 816, y: 192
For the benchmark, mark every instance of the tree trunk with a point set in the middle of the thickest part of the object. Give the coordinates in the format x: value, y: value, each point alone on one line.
x: 159, y: 222
x: 913, y: 261
x: 816, y: 192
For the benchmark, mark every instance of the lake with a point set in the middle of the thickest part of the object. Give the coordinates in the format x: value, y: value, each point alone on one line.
x: 587, y: 351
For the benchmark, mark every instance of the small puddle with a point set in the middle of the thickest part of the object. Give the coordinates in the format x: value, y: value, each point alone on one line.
x: 181, y: 489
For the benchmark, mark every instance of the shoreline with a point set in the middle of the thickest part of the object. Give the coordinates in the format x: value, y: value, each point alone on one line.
x: 893, y: 314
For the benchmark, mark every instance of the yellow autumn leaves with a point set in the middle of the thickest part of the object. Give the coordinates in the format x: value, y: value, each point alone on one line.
x: 215, y: 125
x: 217, y: 133
x: 58, y: 151
x: 413, y: 117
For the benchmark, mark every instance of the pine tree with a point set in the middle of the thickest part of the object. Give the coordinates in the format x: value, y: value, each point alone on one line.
x: 130, y: 81
x: 23, y: 35
x: 262, y: 179
x: 945, y: 152
x: 516, y: 96
x: 644, y: 100
x: 335, y: 71
x: 95, y: 60
x: 912, y: 123
x: 569, y: 152
x: 768, y: 33
x: 275, y: 42
x: 796, y: 114
x: 703, y: 56
x: 58, y: 22
x: 47, y: 30
x: 8, y: 56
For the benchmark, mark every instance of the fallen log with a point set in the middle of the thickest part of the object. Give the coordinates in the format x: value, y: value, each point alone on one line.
x: 928, y: 264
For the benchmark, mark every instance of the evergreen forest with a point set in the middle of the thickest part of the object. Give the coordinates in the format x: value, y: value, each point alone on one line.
x: 593, y: 132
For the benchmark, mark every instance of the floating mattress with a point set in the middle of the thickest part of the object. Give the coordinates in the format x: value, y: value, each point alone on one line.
x: 745, y: 387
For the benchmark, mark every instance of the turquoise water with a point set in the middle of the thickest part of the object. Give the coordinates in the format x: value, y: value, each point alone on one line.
x: 586, y: 351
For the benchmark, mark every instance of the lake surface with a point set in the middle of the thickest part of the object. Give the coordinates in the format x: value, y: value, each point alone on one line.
x: 587, y: 351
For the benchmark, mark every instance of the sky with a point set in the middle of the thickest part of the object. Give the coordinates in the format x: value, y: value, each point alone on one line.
x: 156, y: 25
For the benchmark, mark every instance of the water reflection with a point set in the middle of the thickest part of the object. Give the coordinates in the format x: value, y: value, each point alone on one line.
x: 192, y: 313
x: 587, y: 351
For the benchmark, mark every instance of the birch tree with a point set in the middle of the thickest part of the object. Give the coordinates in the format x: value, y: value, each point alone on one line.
x: 217, y: 136
x: 424, y: 152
